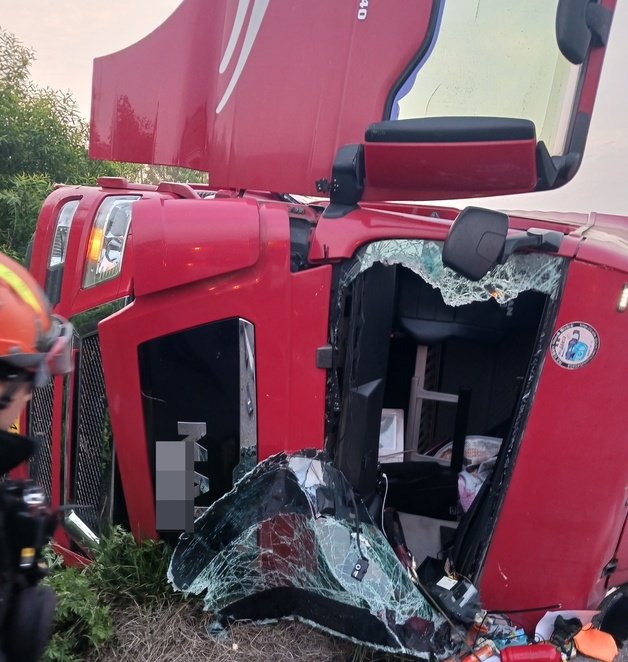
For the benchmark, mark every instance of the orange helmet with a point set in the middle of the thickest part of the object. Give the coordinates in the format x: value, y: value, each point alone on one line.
x: 31, y: 338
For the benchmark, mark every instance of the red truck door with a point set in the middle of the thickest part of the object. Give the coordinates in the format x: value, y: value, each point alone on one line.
x: 212, y: 274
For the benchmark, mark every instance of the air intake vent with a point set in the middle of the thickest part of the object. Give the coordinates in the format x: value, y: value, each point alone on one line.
x: 41, y: 429
x: 93, y: 448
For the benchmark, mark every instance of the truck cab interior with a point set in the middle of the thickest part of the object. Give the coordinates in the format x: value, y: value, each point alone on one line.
x: 448, y: 374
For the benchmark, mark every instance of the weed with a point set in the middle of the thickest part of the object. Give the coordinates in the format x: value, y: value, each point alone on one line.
x: 82, y: 622
x: 122, y: 572
x: 126, y: 570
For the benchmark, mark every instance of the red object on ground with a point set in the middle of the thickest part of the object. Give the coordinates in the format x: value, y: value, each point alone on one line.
x: 531, y: 653
x: 484, y: 652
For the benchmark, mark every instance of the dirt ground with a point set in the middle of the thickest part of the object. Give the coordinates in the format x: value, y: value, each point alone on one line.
x: 180, y: 634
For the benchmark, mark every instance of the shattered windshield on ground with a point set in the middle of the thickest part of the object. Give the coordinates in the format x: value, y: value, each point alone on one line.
x: 293, y: 540
x: 521, y: 272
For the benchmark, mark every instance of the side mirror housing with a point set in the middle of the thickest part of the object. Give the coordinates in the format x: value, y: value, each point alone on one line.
x: 579, y: 25
x: 475, y: 243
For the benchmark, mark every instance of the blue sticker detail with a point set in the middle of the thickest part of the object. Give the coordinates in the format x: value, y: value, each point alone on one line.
x: 574, y: 345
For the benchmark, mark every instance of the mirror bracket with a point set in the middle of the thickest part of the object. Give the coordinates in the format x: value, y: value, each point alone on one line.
x: 551, y: 169
x: 347, y: 181
x: 536, y: 238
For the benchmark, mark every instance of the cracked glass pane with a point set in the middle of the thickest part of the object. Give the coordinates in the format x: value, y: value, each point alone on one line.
x: 292, y: 540
x: 520, y: 273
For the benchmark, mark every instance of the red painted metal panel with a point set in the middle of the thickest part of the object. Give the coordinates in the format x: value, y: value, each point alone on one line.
x: 606, y: 241
x: 335, y: 238
x: 187, y: 240
x: 316, y: 77
x: 565, y: 506
x: 57, y: 455
x: 310, y: 292
x: 444, y: 170
x: 290, y: 389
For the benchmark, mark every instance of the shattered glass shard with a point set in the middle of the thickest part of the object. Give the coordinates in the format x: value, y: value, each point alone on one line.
x: 521, y: 272
x: 285, y: 542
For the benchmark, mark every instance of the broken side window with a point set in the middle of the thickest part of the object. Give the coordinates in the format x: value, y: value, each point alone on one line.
x: 522, y: 271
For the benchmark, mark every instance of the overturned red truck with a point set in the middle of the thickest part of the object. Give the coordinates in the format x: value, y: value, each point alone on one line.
x: 288, y: 324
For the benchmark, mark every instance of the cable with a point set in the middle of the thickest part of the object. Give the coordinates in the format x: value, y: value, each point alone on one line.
x: 385, y: 477
x: 357, y: 524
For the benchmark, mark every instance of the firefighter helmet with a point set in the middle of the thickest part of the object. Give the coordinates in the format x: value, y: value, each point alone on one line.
x: 31, y: 338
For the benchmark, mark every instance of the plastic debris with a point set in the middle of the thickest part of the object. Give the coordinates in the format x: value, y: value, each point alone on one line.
x: 596, y: 644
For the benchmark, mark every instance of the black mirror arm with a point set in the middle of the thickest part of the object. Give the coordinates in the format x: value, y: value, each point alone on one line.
x: 347, y: 185
x: 534, y: 238
x: 553, y: 169
x: 599, y: 21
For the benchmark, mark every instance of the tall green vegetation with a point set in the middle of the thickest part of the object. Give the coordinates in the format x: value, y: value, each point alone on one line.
x: 43, y: 141
x: 122, y: 573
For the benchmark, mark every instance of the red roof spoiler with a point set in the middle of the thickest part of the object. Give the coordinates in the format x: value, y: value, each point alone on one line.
x: 259, y: 94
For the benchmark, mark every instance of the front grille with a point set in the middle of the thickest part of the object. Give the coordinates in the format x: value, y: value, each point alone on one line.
x: 40, y: 429
x: 93, y: 447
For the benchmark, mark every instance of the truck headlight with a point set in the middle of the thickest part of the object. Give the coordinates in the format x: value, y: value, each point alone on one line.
x: 58, y: 250
x: 107, y: 239
x: 62, y: 232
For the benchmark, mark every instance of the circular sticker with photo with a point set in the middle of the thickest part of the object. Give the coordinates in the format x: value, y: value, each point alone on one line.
x: 574, y: 345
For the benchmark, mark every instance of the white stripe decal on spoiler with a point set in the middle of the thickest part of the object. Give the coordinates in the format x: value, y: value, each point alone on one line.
x: 243, y: 5
x: 257, y: 15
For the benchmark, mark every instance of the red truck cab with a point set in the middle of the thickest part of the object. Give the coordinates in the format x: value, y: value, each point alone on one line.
x: 254, y: 324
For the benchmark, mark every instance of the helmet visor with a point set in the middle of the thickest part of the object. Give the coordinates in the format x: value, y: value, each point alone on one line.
x: 58, y: 359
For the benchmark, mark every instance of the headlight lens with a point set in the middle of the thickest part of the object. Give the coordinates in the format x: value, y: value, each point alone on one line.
x: 62, y: 232
x: 108, y: 239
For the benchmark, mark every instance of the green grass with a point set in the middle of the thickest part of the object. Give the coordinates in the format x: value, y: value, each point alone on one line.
x: 121, y: 607
x: 122, y: 571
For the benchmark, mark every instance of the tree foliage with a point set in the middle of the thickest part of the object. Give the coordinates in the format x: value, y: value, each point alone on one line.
x: 43, y: 141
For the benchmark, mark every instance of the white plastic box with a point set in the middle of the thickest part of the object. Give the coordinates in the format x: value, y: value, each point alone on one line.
x: 391, y: 436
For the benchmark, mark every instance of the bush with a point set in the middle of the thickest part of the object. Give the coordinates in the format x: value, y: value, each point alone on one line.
x: 122, y: 571
x: 19, y: 206
x: 82, y: 621
x: 126, y: 570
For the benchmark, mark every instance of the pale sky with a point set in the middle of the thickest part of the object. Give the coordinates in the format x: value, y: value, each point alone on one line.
x: 68, y: 34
